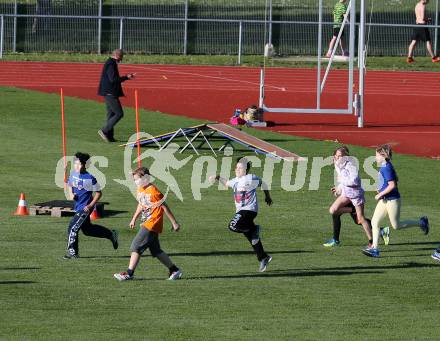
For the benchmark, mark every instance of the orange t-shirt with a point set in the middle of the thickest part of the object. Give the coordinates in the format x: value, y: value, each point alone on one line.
x: 152, y: 211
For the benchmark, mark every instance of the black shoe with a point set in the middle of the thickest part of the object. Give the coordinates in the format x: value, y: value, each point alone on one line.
x: 111, y: 139
x: 71, y: 257
x: 115, y: 238
x: 103, y: 136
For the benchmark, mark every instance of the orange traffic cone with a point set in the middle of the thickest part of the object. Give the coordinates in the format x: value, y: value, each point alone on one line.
x: 95, y: 214
x: 22, y: 206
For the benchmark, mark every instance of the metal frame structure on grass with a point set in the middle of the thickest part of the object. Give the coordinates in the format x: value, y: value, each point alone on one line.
x: 355, y: 102
x: 209, y: 131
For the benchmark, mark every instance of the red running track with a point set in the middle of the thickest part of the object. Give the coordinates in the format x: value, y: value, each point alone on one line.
x: 401, y: 108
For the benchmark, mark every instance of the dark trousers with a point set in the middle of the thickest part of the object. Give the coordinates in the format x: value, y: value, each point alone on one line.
x: 243, y: 222
x: 114, y: 114
x: 81, y: 221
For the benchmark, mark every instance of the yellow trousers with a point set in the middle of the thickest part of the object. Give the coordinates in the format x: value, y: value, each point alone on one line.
x: 392, y: 209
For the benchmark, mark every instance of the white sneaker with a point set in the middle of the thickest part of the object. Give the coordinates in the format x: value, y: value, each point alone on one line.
x: 122, y: 276
x: 175, y: 275
x: 264, y: 263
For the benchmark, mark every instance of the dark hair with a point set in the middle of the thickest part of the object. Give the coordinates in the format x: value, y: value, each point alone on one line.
x: 343, y: 149
x: 386, y: 151
x: 141, y: 172
x: 82, y: 157
x: 243, y: 160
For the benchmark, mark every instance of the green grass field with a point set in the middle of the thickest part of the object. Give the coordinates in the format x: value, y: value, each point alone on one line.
x: 308, y: 292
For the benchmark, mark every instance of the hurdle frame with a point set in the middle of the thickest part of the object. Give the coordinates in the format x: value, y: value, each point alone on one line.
x: 355, y: 103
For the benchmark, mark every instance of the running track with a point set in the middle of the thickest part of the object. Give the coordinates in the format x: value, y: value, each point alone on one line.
x: 401, y: 108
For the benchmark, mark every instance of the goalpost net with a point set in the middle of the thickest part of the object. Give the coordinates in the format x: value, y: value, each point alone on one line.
x: 323, y: 76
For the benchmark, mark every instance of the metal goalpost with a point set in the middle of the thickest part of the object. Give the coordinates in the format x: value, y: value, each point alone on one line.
x: 355, y: 103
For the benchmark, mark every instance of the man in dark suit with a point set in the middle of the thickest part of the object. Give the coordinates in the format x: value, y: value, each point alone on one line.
x: 110, y: 87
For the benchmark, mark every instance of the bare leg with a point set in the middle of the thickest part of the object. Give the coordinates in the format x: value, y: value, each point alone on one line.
x: 339, y: 206
x: 429, y: 48
x: 134, y: 260
x: 365, y: 224
x: 331, y: 46
x: 411, y: 48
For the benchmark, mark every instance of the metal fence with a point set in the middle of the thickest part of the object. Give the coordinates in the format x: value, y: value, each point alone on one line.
x: 213, y: 27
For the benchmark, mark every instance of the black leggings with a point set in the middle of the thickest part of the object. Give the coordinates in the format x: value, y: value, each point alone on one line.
x: 243, y: 222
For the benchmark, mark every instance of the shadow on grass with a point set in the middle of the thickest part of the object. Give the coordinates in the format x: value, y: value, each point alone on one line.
x: 111, y: 213
x: 20, y: 268
x: 289, y: 273
x: 231, y: 253
x: 108, y: 257
x: 409, y: 265
x: 417, y: 243
x: 406, y: 256
x: 317, y: 272
x: 17, y: 282
x: 313, y: 272
x: 269, y: 274
x: 203, y: 254
x: 410, y: 250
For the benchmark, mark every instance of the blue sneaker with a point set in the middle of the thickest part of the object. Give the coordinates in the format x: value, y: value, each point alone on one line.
x: 436, y: 256
x: 331, y: 243
x: 424, y: 224
x: 370, y: 252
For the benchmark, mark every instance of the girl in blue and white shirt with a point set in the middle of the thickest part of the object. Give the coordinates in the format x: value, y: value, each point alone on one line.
x: 389, y: 201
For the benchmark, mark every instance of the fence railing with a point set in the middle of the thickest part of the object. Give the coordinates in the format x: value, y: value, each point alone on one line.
x: 154, y: 35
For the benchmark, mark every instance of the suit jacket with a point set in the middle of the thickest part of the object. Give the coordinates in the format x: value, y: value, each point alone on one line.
x: 110, y: 83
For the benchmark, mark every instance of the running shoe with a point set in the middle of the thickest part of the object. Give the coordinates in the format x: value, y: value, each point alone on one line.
x: 385, y: 234
x: 123, y: 276
x: 103, y: 136
x: 331, y: 243
x: 371, y: 252
x: 175, y: 275
x: 436, y: 256
x: 264, y: 263
x: 424, y: 224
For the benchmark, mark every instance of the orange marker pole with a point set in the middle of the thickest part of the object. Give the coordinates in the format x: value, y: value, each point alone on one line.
x: 137, y: 128
x: 63, y: 133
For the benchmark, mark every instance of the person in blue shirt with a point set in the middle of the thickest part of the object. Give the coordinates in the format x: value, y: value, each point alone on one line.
x: 82, y: 185
x: 389, y: 201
